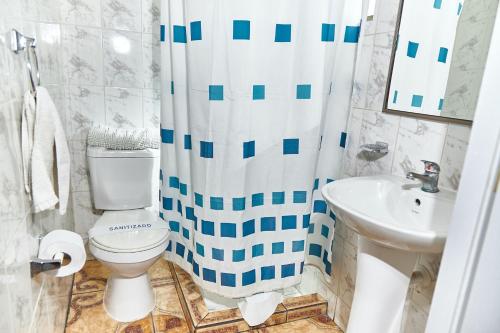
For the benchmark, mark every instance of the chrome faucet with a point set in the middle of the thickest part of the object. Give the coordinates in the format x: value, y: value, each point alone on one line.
x: 429, y: 178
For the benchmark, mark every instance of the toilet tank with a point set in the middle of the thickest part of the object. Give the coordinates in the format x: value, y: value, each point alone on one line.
x: 123, y: 179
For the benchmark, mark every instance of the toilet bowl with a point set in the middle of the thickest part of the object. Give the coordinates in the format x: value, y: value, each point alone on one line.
x: 128, y: 238
x: 128, y: 295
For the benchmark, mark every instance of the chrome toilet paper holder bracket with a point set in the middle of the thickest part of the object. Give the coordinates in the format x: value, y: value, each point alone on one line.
x: 38, y: 265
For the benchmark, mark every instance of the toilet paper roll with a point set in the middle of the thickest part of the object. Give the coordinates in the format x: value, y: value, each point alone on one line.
x: 63, y: 241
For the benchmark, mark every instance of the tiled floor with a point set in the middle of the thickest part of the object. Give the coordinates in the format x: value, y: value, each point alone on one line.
x: 178, y: 308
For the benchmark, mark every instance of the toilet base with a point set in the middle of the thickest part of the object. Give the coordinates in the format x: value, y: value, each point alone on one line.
x: 128, y: 299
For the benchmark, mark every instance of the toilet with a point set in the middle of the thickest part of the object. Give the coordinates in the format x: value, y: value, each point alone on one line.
x: 128, y: 238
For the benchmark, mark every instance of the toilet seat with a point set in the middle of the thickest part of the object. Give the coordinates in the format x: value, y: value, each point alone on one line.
x: 129, y: 241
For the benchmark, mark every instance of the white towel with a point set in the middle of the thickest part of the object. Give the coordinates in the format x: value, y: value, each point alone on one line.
x: 48, y: 139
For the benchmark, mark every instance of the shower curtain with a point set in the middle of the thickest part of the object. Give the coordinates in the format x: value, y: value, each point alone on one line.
x: 254, y: 103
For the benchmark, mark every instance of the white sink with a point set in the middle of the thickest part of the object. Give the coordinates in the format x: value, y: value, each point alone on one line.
x: 395, y: 221
x: 393, y: 211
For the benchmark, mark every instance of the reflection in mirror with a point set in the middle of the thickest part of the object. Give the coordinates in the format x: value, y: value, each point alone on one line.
x: 438, y: 58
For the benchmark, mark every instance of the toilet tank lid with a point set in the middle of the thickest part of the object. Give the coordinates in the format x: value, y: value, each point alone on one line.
x: 98, y: 152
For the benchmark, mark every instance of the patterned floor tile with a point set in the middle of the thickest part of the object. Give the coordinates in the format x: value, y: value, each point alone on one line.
x: 320, y: 324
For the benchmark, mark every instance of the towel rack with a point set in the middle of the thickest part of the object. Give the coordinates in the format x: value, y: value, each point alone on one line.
x: 19, y: 43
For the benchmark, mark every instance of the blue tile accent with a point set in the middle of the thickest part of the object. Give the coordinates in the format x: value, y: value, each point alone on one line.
x: 351, y: 34
x: 185, y: 233
x: 333, y: 216
x: 268, y: 223
x: 290, y: 146
x: 228, y: 279
x: 329, y: 180
x: 416, y: 101
x: 168, y: 203
x: 180, y: 249
x: 183, y: 188
x: 238, y: 255
x: 283, y: 33
x: 440, y: 105
x: 299, y: 196
x: 343, y: 139
x: 174, y: 226
x: 267, y: 273
x: 173, y: 182
x: 303, y: 91
x: 278, y: 198
x: 187, y: 141
x: 172, y: 87
x: 258, y: 92
x: 248, y: 149
x: 248, y: 277
x: 395, y: 97
x: 298, y: 246
x: 179, y: 207
x: 288, y: 222
x: 257, y: 199
x: 217, y: 254
x: 216, y: 203
x: 206, y: 149
x: 215, y: 92
x: 239, y: 204
x: 169, y: 246
x: 257, y: 250
x: 209, y: 275
x: 315, y: 250
x: 195, y: 30
x: 190, y: 257
x: 437, y: 4
x: 207, y: 228
x: 162, y: 33
x: 180, y: 34
x: 325, y: 231
x: 198, y: 199
x: 228, y: 230
x: 412, y: 49
x: 167, y: 135
x: 327, y: 32
x: 241, y: 29
x: 319, y: 206
x: 287, y: 270
x: 278, y: 247
x: 443, y: 54
x: 248, y: 227
x: 306, y: 220
x: 200, y: 249
x: 316, y: 184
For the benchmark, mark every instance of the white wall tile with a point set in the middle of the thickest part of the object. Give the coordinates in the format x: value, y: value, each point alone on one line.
x: 82, y: 12
x: 121, y: 14
x: 124, y: 107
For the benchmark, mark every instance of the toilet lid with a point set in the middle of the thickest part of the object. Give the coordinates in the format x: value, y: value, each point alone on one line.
x: 136, y: 240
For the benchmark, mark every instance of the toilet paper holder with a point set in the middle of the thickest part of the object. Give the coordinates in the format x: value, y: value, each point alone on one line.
x: 38, y: 265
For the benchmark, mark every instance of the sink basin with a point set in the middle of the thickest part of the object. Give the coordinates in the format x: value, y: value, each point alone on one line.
x: 393, y: 211
x: 395, y: 221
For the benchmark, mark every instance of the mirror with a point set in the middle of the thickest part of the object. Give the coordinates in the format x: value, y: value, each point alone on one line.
x: 438, y: 58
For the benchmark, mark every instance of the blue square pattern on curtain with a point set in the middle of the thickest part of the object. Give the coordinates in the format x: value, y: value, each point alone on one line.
x: 443, y: 54
x: 238, y: 255
x: 248, y: 278
x: 228, y: 230
x: 217, y: 203
x: 218, y: 254
x: 257, y: 250
x: 248, y: 228
x: 327, y: 32
x: 257, y: 199
x: 283, y: 33
x: 267, y: 272
x: 206, y: 149
x: 198, y: 199
x: 180, y: 34
x: 287, y: 270
x: 440, y: 104
x: 290, y: 146
x: 299, y: 196
x: 215, y: 92
x: 351, y: 34
x: 241, y: 29
x: 437, y: 4
x: 416, y: 101
x: 200, y: 249
x: 303, y: 91
x: 248, y: 149
x: 278, y: 198
x: 228, y: 279
x: 288, y: 222
x: 239, y: 204
x: 258, y: 92
x: 195, y: 28
x: 167, y: 135
x: 278, y: 248
x: 412, y: 49
x: 268, y: 223
x: 207, y: 228
x: 187, y: 141
x: 209, y: 275
x: 162, y: 33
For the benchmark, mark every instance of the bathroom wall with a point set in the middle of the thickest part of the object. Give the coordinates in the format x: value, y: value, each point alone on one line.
x: 410, y: 140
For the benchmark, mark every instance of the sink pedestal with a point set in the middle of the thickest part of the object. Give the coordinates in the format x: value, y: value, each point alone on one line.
x: 382, y: 281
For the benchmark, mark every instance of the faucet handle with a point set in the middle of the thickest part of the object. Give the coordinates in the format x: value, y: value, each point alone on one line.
x: 431, y: 167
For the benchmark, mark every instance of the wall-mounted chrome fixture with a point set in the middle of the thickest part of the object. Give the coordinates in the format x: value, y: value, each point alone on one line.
x: 38, y: 265
x: 377, y: 147
x: 430, y: 177
x: 19, y: 43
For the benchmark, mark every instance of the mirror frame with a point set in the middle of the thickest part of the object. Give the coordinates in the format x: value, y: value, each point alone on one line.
x: 385, y: 108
